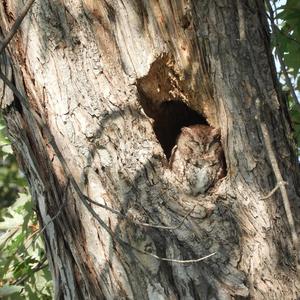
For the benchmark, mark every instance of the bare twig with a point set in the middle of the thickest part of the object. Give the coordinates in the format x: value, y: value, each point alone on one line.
x: 166, y: 227
x: 274, y: 190
x: 125, y: 244
x: 10, y: 233
x: 16, y: 25
x: 280, y: 181
x: 39, y: 232
x: 14, y: 89
x: 280, y: 58
x: 137, y: 222
x: 287, y: 36
x: 178, y: 261
x: 37, y: 268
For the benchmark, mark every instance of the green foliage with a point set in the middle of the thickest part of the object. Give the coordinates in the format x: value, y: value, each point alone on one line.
x: 287, y: 45
x: 288, y: 35
x: 11, y: 181
x: 24, y: 271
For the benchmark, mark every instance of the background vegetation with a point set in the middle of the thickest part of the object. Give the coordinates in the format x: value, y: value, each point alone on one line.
x: 24, y: 271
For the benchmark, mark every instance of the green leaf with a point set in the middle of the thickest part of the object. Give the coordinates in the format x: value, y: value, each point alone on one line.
x: 7, y: 149
x: 17, y: 224
x: 12, y: 222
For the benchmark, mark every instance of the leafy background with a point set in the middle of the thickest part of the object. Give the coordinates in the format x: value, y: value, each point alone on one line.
x: 24, y: 272
x: 286, y: 43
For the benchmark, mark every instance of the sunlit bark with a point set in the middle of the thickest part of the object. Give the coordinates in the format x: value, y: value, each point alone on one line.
x: 115, y: 81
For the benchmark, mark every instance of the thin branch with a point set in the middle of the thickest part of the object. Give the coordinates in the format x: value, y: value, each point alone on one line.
x: 37, y: 268
x: 276, y: 22
x: 137, y: 222
x: 114, y: 211
x: 274, y: 190
x: 10, y: 235
x: 167, y: 227
x: 125, y: 244
x: 280, y: 58
x: 23, y: 100
x: 287, y: 36
x: 178, y: 261
x: 39, y: 232
x: 279, y: 179
x: 13, y: 88
x: 16, y: 25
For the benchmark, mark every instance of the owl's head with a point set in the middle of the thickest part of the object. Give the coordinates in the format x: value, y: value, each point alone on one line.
x: 198, y: 137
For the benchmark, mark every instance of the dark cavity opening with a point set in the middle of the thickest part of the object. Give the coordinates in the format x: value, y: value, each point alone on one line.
x: 161, y: 95
x: 169, y: 118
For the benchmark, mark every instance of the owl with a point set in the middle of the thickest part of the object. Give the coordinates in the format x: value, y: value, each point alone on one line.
x: 197, y: 160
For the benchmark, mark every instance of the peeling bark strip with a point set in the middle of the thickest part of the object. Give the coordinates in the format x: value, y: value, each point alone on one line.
x: 123, y: 87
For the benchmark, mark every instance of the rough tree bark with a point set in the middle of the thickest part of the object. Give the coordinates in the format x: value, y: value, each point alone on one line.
x: 114, y: 82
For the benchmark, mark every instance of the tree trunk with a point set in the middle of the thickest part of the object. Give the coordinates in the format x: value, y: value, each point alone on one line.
x: 114, y: 82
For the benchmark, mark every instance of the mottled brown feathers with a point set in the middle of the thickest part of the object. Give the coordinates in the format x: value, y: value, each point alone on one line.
x: 198, y: 159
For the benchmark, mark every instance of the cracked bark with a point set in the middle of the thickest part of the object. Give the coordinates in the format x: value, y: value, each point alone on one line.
x: 101, y: 74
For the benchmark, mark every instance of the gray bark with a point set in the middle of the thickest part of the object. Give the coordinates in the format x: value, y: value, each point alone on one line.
x: 115, y: 81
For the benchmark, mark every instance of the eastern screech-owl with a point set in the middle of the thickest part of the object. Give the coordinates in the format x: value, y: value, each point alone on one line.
x: 198, y: 160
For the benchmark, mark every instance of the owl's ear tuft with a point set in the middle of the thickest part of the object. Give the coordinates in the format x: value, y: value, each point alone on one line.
x: 186, y: 130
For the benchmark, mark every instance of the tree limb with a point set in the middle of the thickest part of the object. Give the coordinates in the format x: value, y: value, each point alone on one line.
x: 274, y: 190
x: 279, y: 179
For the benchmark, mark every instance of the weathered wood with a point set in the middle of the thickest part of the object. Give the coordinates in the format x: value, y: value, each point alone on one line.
x: 115, y: 81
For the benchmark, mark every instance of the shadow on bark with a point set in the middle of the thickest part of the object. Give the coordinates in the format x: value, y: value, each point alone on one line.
x: 150, y: 197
